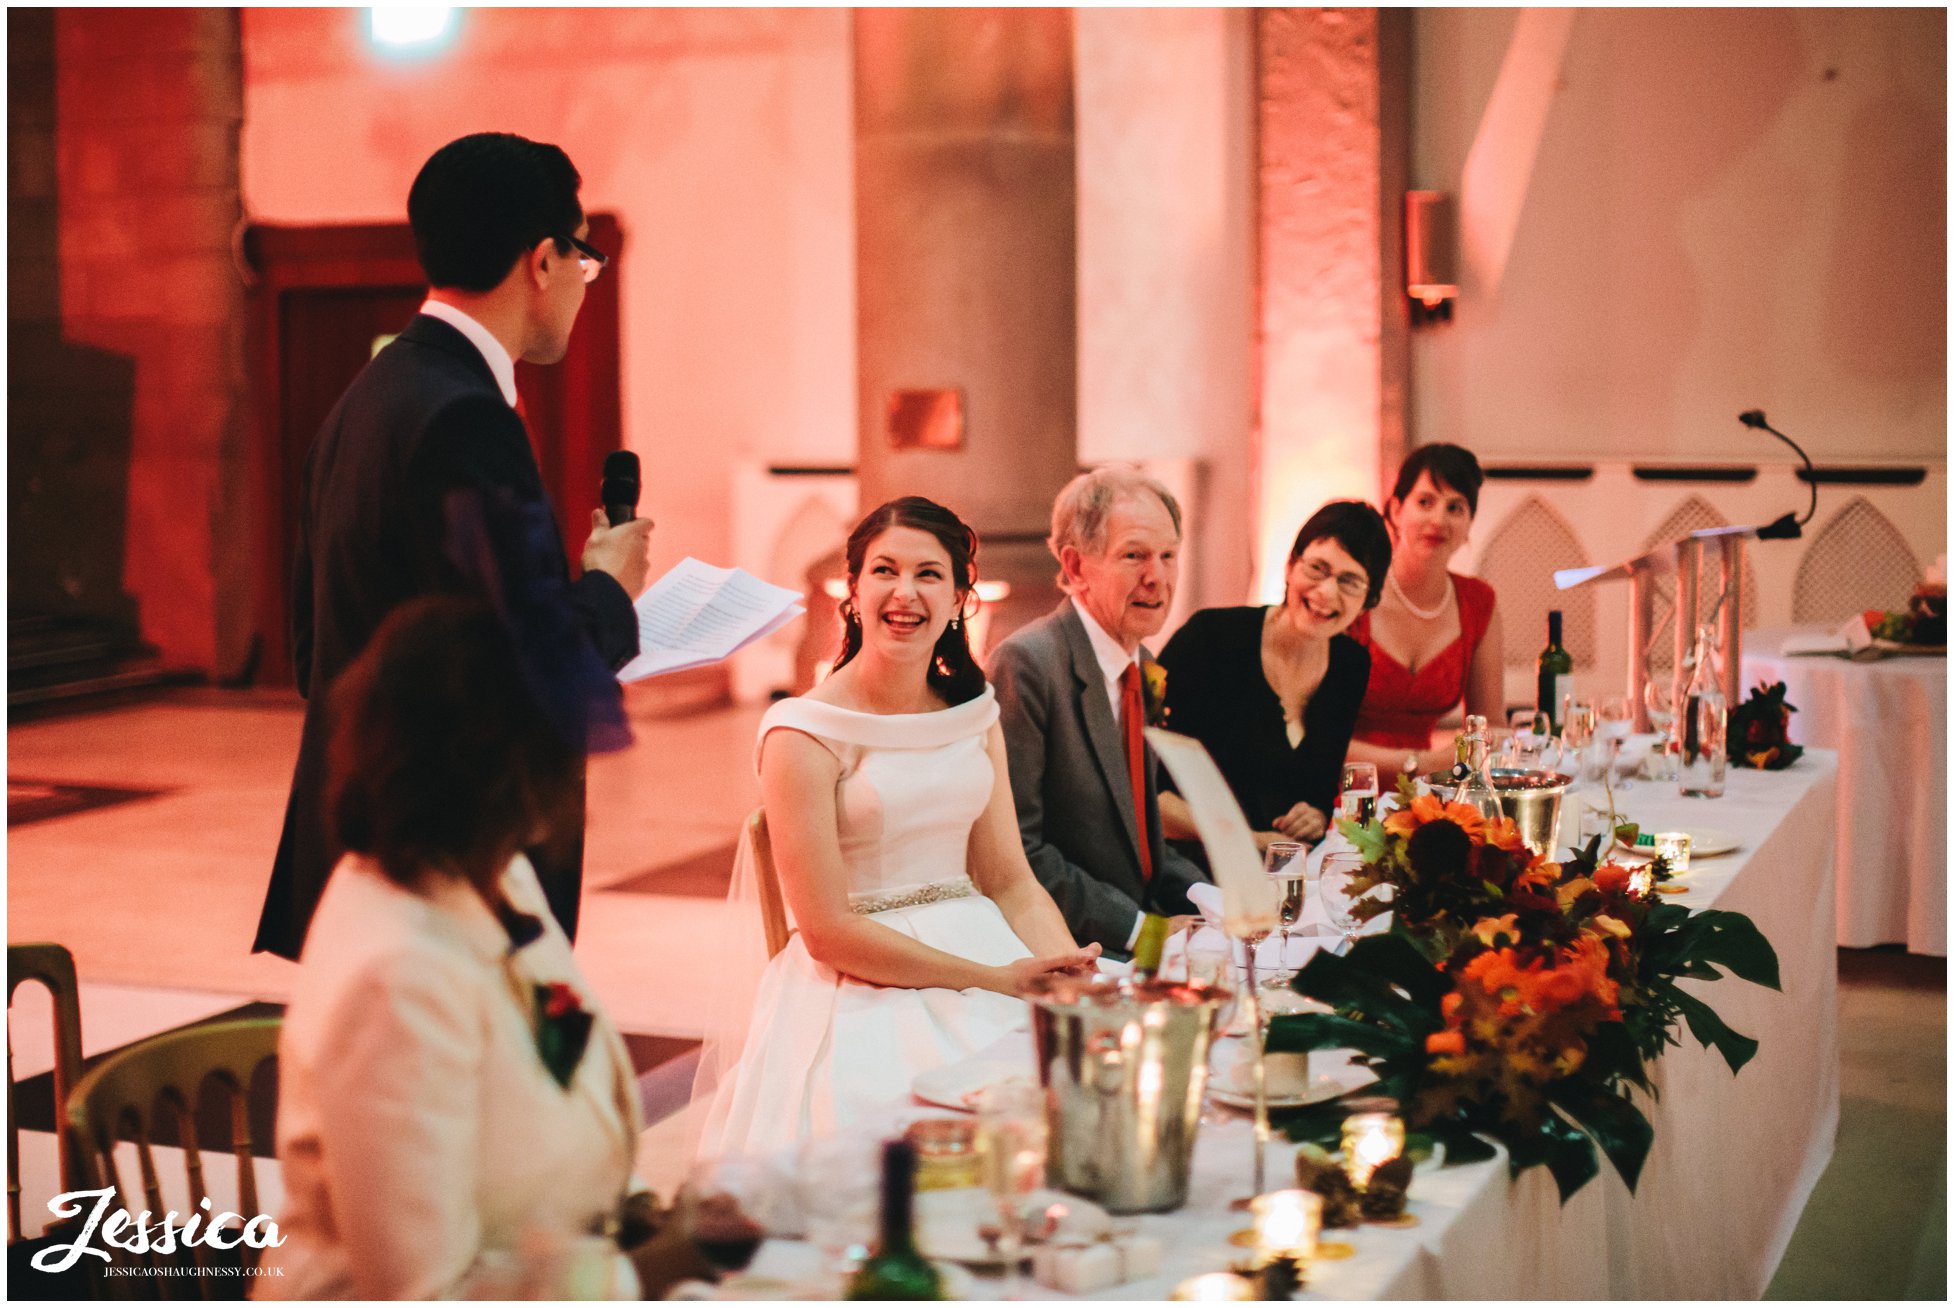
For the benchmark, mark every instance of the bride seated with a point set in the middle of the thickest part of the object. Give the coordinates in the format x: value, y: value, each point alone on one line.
x: 888, y: 800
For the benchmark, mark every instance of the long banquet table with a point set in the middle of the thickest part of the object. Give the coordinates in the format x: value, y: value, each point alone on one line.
x: 1887, y: 721
x: 1734, y: 1160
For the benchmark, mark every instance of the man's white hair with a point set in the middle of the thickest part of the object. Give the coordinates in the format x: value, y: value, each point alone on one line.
x: 1079, y: 513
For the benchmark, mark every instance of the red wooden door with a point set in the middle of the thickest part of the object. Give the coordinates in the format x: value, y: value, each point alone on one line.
x: 327, y: 296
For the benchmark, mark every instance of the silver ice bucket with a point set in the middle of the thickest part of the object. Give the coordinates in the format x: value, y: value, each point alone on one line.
x: 1530, y: 797
x: 1124, y: 1065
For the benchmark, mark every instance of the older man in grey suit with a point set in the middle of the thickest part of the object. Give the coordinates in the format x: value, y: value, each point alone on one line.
x: 1071, y: 687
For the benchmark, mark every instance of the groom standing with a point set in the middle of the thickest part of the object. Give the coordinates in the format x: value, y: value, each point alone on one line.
x: 423, y: 480
x: 1071, y: 690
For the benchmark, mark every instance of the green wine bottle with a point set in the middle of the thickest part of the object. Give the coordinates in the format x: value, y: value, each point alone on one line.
x: 1149, y: 947
x: 897, y: 1269
x: 1555, y: 666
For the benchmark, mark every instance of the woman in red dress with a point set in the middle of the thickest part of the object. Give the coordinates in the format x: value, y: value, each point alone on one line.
x: 1434, y: 637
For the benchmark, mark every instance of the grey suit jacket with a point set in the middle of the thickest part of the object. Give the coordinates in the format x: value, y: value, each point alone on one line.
x: 1069, y: 778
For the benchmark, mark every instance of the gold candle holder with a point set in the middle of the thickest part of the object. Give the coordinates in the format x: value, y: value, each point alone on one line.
x: 1370, y: 1140
x: 1215, y: 1287
x: 1287, y: 1223
x: 1673, y: 846
x: 1640, y: 882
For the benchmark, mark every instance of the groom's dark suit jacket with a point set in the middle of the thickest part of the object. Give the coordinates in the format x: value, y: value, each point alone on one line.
x: 1070, y: 782
x: 422, y: 421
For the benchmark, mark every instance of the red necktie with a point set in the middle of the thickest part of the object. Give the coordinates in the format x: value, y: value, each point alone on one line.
x: 1132, y: 722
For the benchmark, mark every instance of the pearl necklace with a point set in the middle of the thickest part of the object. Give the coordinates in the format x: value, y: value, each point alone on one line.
x: 1426, y: 615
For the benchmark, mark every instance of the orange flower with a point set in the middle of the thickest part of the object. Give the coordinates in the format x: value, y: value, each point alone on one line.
x: 1611, y: 879
x: 1489, y: 929
x: 1541, y: 876
x: 1505, y: 834
x: 1429, y: 808
x: 1445, y: 1042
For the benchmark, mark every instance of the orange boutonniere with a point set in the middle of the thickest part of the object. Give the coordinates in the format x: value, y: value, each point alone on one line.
x: 1153, y: 688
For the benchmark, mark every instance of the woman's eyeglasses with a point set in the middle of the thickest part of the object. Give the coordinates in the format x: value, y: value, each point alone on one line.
x: 1354, y: 584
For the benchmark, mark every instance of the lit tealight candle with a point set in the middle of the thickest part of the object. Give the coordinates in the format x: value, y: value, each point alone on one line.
x: 1215, y: 1287
x: 1287, y: 1223
x: 1640, y: 882
x: 1370, y: 1140
x: 1674, y: 846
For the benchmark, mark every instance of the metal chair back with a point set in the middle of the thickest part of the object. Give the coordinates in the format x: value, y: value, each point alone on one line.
x: 54, y: 967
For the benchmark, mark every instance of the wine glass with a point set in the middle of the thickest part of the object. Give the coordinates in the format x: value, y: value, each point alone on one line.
x: 1617, y: 724
x: 838, y: 1180
x: 1578, y: 721
x: 726, y: 1207
x: 1531, y: 730
x: 1357, y: 802
x: 1659, y: 697
x: 1284, y: 862
x: 1333, y: 887
x: 1012, y: 1134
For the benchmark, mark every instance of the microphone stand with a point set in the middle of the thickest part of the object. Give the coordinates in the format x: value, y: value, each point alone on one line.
x: 1787, y: 527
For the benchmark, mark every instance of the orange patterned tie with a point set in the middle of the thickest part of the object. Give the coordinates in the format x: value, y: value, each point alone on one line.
x: 1132, y: 722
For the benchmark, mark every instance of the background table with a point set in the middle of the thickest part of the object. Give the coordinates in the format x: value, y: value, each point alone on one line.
x: 1735, y: 1157
x: 1887, y: 719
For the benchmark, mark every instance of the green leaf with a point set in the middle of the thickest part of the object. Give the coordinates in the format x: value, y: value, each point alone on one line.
x: 1298, y: 1033
x: 1561, y: 1147
x: 1367, y: 980
x: 1616, y: 1125
x: 1369, y: 838
x: 1462, y: 1145
x: 1710, y: 1031
x: 1733, y: 940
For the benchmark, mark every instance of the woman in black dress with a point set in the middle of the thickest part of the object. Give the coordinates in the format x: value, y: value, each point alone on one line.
x: 1273, y: 691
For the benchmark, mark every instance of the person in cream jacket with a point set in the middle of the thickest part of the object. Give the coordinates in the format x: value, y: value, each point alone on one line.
x: 457, y: 1117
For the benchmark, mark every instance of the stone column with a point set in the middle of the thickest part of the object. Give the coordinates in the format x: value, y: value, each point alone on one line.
x: 965, y: 269
x: 149, y: 106
x: 1333, y: 106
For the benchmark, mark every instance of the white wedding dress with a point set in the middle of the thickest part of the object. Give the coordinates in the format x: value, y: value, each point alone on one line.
x: 824, y: 1052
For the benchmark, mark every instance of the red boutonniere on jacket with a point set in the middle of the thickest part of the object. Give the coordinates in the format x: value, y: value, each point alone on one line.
x: 562, y: 1029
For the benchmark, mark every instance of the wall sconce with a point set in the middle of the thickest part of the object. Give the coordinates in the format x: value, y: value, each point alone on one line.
x: 1430, y: 252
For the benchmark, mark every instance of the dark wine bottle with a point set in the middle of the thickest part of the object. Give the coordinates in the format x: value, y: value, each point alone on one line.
x: 897, y: 1269
x: 1555, y: 665
x: 1149, y: 947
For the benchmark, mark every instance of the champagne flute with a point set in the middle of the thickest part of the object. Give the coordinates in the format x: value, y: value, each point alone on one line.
x: 1531, y: 730
x: 838, y: 1182
x: 1617, y: 724
x: 1659, y: 697
x: 1333, y: 886
x: 1357, y: 801
x: 1012, y: 1139
x: 1284, y: 862
x: 1577, y: 731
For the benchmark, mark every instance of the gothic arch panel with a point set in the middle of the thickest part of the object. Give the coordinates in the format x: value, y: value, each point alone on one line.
x: 1519, y: 562
x: 1859, y: 561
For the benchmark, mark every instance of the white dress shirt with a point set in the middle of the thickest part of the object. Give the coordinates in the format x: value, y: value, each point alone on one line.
x: 482, y: 339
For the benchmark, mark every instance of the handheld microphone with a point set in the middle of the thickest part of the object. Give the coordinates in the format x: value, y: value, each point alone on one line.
x: 1787, y: 527
x: 619, y: 491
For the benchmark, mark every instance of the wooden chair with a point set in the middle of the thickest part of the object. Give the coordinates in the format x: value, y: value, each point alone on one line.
x: 773, y: 905
x: 116, y: 1101
x: 54, y: 967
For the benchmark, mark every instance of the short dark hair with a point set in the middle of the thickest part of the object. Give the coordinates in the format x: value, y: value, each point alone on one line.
x: 1452, y: 467
x: 953, y: 671
x: 479, y: 203
x: 1357, y: 527
x: 440, y: 759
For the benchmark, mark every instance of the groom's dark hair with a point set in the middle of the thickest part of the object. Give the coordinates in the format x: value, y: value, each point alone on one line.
x: 953, y: 672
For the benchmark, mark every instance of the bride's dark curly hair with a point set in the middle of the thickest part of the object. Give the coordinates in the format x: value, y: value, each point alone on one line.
x: 953, y: 672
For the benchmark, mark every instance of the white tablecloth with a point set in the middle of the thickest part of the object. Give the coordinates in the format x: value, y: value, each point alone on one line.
x: 1887, y: 720
x: 1735, y: 1158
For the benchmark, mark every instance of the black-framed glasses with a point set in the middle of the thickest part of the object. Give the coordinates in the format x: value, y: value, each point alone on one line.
x: 1354, y: 584
x: 590, y: 259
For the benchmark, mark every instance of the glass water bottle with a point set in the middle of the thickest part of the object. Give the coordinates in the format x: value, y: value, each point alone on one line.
x: 1703, y: 719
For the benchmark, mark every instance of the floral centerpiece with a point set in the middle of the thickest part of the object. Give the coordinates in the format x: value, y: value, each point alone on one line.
x: 1515, y: 998
x: 1760, y: 730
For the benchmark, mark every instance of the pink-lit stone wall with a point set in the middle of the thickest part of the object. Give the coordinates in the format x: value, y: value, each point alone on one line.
x: 1332, y: 323
x: 1673, y: 215
x: 720, y: 138
x: 147, y: 111
x: 1166, y: 146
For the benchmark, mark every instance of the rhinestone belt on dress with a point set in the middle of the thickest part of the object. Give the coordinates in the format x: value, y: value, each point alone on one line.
x: 934, y: 893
